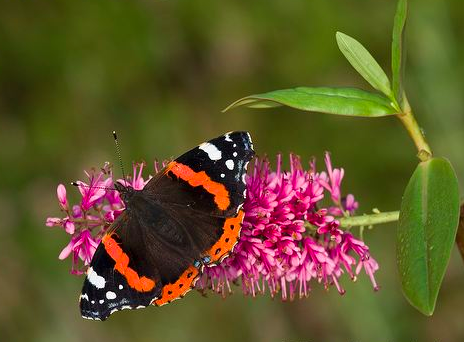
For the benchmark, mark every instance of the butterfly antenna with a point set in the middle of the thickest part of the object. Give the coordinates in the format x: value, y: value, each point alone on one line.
x: 118, y: 151
x: 76, y: 184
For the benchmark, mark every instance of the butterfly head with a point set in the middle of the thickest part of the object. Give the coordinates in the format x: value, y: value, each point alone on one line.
x: 126, y: 192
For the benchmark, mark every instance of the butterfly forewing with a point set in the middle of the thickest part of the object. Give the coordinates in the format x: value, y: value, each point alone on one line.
x: 220, y: 164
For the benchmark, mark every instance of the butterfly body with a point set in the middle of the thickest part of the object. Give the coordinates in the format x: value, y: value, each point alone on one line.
x: 188, y: 216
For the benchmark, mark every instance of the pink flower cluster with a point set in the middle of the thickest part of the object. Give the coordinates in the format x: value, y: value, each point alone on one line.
x: 289, y: 237
x: 88, y: 221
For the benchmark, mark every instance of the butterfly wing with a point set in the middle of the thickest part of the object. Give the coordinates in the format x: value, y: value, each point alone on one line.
x: 112, y: 284
x: 209, y: 178
x: 144, y: 249
x: 205, y: 189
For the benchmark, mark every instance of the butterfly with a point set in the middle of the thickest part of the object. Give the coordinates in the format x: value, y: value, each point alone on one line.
x: 187, y: 217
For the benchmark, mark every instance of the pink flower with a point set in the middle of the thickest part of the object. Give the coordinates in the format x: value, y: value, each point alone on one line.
x: 365, y: 260
x: 290, y: 238
x: 137, y: 182
x: 335, y: 177
x: 82, y: 246
x: 350, y: 204
x: 61, y: 192
x: 65, y: 223
x: 331, y: 228
x: 94, y: 191
x: 87, y: 221
x: 53, y: 222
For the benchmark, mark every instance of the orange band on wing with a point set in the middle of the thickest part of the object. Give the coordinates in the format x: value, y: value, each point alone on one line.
x: 177, y: 290
x: 141, y: 284
x: 228, y: 239
x: 221, y: 195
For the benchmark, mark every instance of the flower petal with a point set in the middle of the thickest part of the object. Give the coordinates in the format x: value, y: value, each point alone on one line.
x: 61, y: 193
x: 66, y: 251
x: 53, y: 222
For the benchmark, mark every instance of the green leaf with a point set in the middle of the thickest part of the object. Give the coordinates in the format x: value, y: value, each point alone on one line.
x: 398, y: 55
x: 364, y: 63
x: 428, y: 222
x: 341, y: 101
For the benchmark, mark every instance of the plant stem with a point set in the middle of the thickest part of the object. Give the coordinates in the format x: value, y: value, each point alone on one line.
x: 369, y: 220
x: 460, y: 233
x: 410, y: 123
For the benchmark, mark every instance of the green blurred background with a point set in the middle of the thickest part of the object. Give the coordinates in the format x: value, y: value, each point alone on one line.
x: 159, y: 72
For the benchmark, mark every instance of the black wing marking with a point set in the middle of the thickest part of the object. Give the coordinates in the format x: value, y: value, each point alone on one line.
x: 224, y: 160
x: 105, y: 290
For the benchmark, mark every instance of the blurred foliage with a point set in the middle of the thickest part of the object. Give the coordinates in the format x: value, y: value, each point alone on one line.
x: 159, y: 72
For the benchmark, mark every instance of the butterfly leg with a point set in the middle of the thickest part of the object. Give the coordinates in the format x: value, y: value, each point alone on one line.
x: 206, y: 259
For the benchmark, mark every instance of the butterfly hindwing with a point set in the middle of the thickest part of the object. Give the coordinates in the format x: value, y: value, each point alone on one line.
x: 107, y: 290
x: 143, y: 251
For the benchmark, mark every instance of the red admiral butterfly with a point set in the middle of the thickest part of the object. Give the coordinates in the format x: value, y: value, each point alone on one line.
x: 188, y: 216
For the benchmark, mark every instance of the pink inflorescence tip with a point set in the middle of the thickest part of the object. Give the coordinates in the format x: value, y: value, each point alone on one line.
x: 87, y: 221
x: 290, y: 237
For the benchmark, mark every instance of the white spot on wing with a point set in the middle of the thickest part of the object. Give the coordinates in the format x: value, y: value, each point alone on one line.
x: 93, y: 302
x: 121, y: 287
x: 230, y: 164
x: 110, y: 295
x: 211, y: 150
x: 222, y: 175
x: 101, y: 301
x: 84, y: 296
x: 251, y: 141
x: 234, y: 154
x: 227, y: 137
x: 95, y: 279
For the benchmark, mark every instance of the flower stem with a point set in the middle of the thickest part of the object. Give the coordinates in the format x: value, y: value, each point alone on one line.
x: 369, y: 220
x: 410, y: 123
